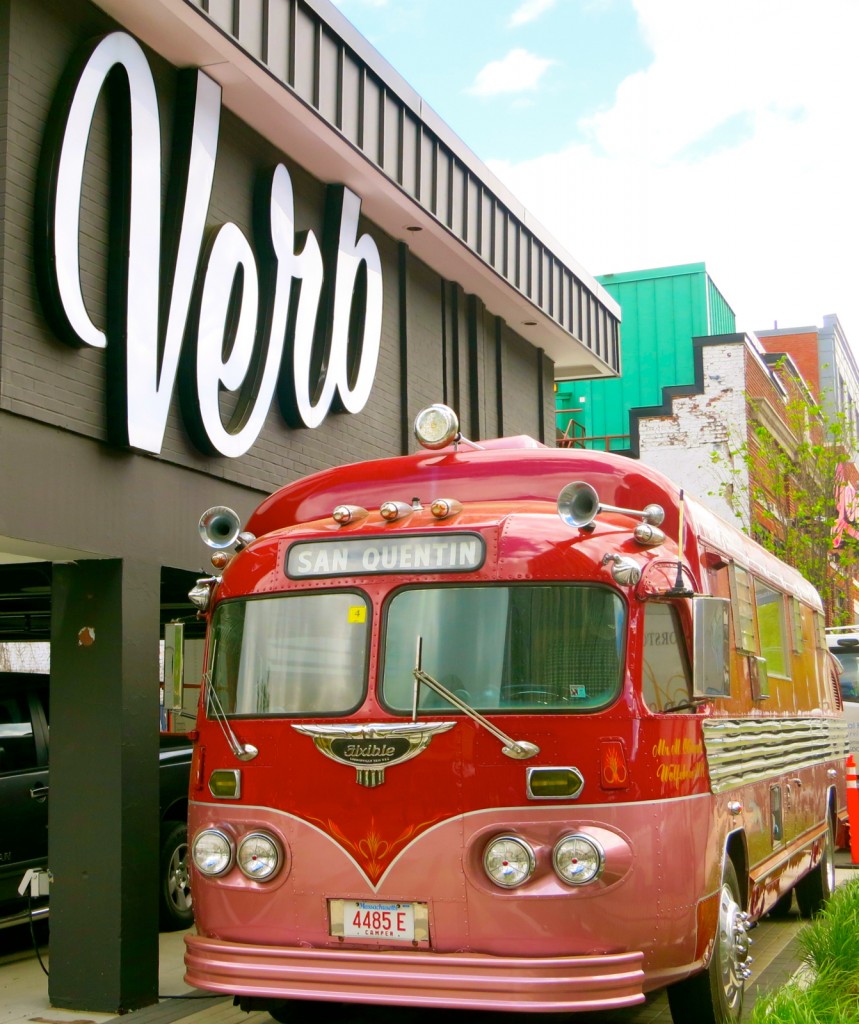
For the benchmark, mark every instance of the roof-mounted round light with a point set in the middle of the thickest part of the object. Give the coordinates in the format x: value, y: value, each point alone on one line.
x: 345, y: 514
x: 436, y: 426
x: 441, y: 508
x: 648, y: 536
x: 390, y: 511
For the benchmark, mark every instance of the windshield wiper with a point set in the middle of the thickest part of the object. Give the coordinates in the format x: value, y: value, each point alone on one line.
x: 242, y: 751
x: 521, y: 750
x: 691, y: 704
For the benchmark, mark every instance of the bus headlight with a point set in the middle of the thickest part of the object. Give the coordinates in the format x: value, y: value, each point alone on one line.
x: 509, y: 861
x: 212, y: 852
x: 578, y: 859
x: 259, y: 856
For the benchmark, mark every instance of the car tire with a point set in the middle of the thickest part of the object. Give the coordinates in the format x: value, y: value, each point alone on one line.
x: 176, y: 908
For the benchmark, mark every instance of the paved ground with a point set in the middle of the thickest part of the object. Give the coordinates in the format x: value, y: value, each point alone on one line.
x: 24, y: 990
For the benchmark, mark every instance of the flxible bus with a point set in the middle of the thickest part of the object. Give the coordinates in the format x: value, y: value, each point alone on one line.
x: 505, y: 727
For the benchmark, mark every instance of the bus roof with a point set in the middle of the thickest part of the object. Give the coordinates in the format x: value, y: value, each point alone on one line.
x: 516, y: 470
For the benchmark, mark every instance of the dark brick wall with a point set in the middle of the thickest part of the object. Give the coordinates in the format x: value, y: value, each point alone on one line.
x: 448, y: 345
x: 520, y: 387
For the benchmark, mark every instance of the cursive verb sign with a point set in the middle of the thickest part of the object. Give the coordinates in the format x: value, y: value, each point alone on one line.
x: 297, y: 319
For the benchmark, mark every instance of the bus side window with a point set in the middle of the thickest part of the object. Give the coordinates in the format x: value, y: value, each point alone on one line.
x: 796, y: 633
x: 743, y: 610
x: 772, y: 630
x: 665, y: 678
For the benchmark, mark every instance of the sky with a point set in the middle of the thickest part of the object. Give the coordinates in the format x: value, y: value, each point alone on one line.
x: 649, y: 133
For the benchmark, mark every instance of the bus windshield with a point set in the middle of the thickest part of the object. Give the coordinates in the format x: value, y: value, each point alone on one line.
x: 293, y: 654
x: 518, y: 648
x: 849, y: 680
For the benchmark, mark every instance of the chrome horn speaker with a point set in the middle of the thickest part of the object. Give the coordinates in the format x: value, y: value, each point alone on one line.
x: 219, y: 527
x: 579, y: 503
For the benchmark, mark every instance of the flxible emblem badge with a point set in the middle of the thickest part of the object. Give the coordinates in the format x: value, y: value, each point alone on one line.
x: 373, y: 747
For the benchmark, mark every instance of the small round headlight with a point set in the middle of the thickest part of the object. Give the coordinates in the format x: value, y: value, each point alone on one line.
x: 509, y: 861
x: 212, y: 852
x: 578, y: 859
x: 259, y: 855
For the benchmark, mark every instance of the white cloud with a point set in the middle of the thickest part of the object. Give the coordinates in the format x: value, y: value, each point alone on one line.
x: 518, y: 71
x: 737, y: 146
x: 529, y: 10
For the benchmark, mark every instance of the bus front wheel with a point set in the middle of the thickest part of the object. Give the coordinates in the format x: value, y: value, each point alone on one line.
x: 715, y: 996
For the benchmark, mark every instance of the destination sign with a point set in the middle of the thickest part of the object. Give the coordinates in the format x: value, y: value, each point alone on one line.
x: 459, y: 552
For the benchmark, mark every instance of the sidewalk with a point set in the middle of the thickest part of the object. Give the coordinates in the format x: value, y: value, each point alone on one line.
x: 24, y: 988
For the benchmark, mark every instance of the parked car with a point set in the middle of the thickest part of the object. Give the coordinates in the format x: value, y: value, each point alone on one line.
x: 24, y: 789
x: 843, y: 643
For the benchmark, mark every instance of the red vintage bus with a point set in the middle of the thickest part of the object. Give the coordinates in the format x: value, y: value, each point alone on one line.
x: 503, y: 727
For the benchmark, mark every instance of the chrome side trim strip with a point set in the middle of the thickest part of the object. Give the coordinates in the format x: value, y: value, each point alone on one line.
x: 740, y: 751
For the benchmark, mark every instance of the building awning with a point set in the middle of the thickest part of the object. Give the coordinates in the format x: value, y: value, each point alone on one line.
x: 300, y: 75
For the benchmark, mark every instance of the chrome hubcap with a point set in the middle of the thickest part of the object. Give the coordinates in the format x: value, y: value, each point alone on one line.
x: 828, y: 866
x: 178, y: 881
x: 733, y: 952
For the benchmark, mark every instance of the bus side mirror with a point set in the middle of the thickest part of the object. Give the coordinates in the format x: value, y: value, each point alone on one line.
x: 174, y: 671
x: 711, y: 667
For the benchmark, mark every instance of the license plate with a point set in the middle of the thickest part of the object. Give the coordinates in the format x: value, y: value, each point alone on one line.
x: 371, y: 919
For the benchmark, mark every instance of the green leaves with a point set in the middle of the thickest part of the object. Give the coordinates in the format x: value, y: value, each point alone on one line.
x: 783, y: 479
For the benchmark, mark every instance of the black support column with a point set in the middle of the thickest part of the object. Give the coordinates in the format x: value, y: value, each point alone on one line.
x: 103, y: 816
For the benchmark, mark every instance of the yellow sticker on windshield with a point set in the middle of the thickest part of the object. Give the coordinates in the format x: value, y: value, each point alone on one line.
x: 357, y: 613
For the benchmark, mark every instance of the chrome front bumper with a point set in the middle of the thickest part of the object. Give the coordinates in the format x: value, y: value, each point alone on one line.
x: 416, y: 977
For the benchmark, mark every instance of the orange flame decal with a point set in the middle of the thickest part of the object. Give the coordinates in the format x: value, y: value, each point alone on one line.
x: 371, y: 851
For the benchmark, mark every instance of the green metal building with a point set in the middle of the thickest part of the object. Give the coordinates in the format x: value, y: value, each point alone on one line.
x: 662, y: 310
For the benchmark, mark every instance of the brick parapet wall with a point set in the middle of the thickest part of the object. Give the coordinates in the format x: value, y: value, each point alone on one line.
x: 693, y: 445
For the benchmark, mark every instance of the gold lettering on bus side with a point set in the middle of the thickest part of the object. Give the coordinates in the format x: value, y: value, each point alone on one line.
x: 675, y: 772
x: 677, y: 747
x: 681, y: 759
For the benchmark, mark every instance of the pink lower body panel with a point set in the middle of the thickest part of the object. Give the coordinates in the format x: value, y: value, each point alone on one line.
x: 417, y: 978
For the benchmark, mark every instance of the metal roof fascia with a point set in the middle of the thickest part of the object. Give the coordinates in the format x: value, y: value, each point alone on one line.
x: 185, y: 35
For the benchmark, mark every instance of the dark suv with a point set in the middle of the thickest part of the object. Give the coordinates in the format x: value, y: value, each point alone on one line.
x: 24, y: 717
